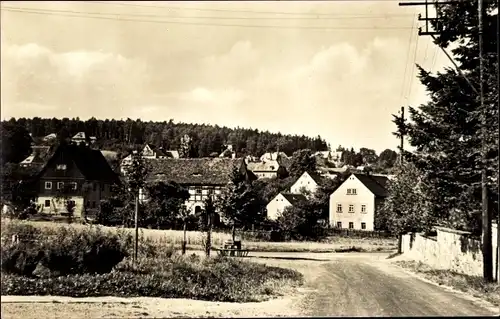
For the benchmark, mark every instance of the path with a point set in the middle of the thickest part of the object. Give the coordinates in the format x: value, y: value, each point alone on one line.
x: 371, y: 287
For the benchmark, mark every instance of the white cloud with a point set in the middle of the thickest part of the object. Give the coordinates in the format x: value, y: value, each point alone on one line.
x: 77, y: 80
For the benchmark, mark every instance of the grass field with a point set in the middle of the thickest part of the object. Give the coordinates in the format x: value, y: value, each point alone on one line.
x: 195, y: 240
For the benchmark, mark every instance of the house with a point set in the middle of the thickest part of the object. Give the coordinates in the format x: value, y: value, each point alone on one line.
x: 50, y: 137
x: 81, y: 137
x: 278, y: 204
x: 331, y: 156
x: 308, y: 182
x: 228, y: 152
x: 274, y: 156
x: 250, y: 158
x: 267, y: 169
x: 355, y: 203
x: 77, y: 174
x: 201, y: 176
x: 149, y: 151
x: 37, y: 158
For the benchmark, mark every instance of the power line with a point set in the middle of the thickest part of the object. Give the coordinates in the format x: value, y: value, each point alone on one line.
x: 227, y: 10
x: 407, y: 59
x: 83, y: 15
x: 346, y: 17
x: 413, y: 71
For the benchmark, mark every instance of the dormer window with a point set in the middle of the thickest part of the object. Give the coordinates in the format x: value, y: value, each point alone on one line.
x: 61, y: 167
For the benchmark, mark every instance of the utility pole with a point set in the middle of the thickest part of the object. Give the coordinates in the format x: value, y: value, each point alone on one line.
x: 486, y: 209
x: 486, y: 212
x: 498, y: 105
x: 402, y: 137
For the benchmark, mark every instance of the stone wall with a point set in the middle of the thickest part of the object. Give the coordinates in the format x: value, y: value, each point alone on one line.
x: 451, y: 249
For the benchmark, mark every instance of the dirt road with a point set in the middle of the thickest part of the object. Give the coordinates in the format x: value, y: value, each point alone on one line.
x: 369, y: 285
x: 336, y: 285
x: 364, y: 287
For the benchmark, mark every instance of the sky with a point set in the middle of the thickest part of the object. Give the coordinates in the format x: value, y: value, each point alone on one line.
x: 337, y: 69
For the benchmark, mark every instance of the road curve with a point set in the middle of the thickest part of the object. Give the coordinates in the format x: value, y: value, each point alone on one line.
x: 364, y: 287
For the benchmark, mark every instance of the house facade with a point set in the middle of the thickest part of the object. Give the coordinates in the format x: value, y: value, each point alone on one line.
x: 75, y: 174
x: 307, y: 182
x: 355, y: 203
x: 202, y: 177
x: 266, y: 169
x: 283, y: 200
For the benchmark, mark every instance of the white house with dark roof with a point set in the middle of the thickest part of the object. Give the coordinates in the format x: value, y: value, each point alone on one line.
x: 355, y: 203
x: 308, y: 182
x: 266, y: 169
x: 283, y: 200
x: 201, y: 176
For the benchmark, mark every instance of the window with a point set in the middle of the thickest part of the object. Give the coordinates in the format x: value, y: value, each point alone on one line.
x: 351, y: 208
x: 353, y: 191
x: 363, y: 225
x: 72, y: 202
x: 61, y: 167
x: 74, y: 185
x: 351, y: 225
x: 339, y: 224
x: 47, y: 203
x: 60, y: 185
x: 339, y: 208
x: 48, y: 185
x: 348, y: 191
x: 363, y: 208
x: 198, y: 191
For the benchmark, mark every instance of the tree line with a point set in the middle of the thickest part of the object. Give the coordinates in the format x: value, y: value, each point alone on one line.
x: 205, y: 140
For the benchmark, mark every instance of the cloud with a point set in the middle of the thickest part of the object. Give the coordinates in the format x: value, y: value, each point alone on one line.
x: 82, y: 81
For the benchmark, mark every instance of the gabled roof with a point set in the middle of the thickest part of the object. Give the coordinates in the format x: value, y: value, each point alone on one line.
x: 316, y: 177
x: 294, y: 199
x: 158, y: 150
x: 79, y: 135
x: 195, y: 171
x: 377, y: 184
x: 90, y: 162
x: 267, y: 166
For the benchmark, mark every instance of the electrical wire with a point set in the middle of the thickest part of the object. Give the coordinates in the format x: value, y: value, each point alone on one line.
x: 229, y: 10
x: 407, y: 58
x: 344, y: 17
x: 84, y: 15
x: 414, y: 67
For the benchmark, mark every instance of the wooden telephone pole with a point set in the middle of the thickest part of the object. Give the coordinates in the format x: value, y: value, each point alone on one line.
x: 486, y: 209
x: 402, y: 137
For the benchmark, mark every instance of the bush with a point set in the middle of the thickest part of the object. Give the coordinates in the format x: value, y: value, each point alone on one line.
x: 64, y: 250
x: 216, y: 279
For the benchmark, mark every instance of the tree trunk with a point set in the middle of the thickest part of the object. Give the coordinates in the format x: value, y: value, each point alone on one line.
x: 136, y: 218
x: 184, y: 241
x: 233, y: 233
x: 209, y: 236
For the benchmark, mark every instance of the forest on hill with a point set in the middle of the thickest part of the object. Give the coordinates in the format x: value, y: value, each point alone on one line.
x: 123, y: 135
